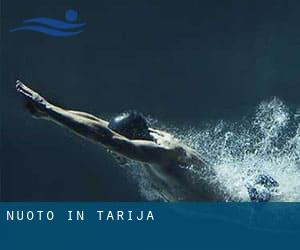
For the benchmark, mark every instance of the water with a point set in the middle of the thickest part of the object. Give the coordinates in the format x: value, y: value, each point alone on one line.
x: 268, y: 141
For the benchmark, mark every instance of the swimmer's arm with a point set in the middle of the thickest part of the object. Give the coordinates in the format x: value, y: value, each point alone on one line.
x: 34, y: 100
x: 98, y: 131
x: 81, y: 123
x: 95, y: 129
x: 142, y: 150
x: 87, y: 115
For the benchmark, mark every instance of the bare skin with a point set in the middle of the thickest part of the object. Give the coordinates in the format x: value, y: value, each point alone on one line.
x: 165, y: 157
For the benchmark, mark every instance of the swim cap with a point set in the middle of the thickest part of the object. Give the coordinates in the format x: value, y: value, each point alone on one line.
x: 132, y: 125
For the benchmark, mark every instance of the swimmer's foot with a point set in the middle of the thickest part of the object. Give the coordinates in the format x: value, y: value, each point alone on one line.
x: 263, y: 188
x: 34, y: 103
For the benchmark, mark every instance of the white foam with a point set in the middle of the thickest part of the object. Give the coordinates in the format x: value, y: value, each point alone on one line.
x: 268, y: 142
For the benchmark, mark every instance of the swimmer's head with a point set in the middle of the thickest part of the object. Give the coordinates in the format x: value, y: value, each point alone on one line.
x: 132, y: 125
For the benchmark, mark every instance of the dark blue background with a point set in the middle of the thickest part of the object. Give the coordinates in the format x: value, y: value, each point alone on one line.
x: 182, y: 62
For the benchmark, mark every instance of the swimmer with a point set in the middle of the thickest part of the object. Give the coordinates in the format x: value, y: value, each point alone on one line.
x: 129, y: 136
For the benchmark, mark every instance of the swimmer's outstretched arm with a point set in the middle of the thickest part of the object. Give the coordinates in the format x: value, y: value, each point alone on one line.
x: 95, y: 129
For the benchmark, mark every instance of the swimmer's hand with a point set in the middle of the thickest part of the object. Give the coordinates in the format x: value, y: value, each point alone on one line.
x: 35, y: 103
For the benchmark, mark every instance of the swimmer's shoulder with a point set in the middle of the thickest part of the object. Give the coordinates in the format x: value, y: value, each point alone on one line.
x: 185, y: 155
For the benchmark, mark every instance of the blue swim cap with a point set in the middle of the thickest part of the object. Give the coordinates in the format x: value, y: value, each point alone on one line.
x: 132, y: 125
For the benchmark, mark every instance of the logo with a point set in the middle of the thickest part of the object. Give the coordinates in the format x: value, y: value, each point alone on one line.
x: 53, y: 27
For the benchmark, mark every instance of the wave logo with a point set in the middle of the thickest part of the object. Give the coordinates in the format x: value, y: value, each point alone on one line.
x: 53, y: 27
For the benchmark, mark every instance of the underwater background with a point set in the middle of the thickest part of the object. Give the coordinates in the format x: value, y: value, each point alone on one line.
x: 222, y: 75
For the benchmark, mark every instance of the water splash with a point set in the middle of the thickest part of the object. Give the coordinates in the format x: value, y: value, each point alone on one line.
x: 266, y: 142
